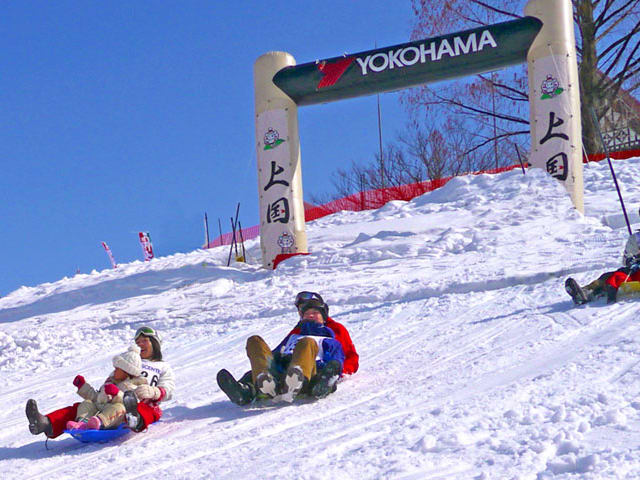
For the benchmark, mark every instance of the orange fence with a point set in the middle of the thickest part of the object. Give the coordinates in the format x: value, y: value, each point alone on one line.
x: 623, y: 155
x: 372, y: 199
x: 368, y: 200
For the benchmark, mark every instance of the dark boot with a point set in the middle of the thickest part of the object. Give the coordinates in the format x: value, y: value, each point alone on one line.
x: 325, y: 382
x: 611, y: 293
x: 266, y: 384
x: 134, y: 419
x: 38, y: 423
x: 577, y: 294
x: 238, y: 392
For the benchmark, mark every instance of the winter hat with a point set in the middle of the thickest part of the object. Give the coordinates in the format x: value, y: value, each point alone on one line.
x: 305, y: 296
x: 129, y: 361
x: 318, y: 305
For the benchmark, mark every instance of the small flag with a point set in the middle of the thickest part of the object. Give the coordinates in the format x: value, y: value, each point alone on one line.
x: 147, y: 247
x: 108, y: 250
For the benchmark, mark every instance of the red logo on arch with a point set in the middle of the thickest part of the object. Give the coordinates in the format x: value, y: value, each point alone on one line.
x: 333, y: 71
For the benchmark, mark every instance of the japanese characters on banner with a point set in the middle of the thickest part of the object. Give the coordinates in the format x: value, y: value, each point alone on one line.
x: 555, y: 135
x: 275, y: 174
x: 147, y: 247
x: 108, y: 250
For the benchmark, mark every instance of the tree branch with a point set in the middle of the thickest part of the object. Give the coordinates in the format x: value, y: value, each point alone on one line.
x: 495, y: 9
x: 603, y: 18
x: 504, y: 87
x: 489, y: 140
x: 463, y: 106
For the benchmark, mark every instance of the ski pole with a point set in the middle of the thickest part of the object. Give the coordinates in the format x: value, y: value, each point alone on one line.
x: 235, y: 240
x: 520, y: 159
x: 594, y: 117
x: 206, y: 229
x: 244, y: 253
x: 233, y: 237
x: 235, y: 228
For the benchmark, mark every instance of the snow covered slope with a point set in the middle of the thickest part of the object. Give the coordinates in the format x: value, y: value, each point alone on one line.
x: 474, y: 362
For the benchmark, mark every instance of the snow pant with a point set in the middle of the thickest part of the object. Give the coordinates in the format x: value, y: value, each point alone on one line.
x: 597, y: 287
x: 110, y: 414
x: 59, y: 418
x: 261, y: 358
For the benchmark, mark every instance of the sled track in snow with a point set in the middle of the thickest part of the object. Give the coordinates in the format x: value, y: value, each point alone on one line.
x: 344, y: 428
x: 278, y: 421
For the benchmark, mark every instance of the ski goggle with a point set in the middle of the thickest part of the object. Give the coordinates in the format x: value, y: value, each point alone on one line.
x: 304, y: 297
x: 146, y: 331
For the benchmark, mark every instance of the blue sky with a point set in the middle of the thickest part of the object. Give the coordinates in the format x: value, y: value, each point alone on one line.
x: 125, y: 116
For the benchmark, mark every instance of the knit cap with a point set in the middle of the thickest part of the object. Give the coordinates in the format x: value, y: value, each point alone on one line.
x: 129, y: 361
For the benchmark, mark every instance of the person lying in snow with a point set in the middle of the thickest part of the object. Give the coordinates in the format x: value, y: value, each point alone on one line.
x: 141, y: 404
x: 608, y: 283
x: 310, y: 359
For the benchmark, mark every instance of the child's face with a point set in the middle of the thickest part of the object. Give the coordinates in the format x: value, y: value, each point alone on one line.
x: 120, y: 375
x: 313, y: 315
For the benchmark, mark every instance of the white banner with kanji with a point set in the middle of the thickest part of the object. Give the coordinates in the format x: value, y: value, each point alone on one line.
x: 556, y: 132
x: 275, y: 174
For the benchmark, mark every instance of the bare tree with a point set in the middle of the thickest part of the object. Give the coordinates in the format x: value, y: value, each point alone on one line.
x: 608, y: 43
x: 397, y: 167
x: 449, y: 149
x: 422, y: 152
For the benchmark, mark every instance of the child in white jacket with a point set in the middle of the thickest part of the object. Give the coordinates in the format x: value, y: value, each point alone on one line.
x: 104, y: 408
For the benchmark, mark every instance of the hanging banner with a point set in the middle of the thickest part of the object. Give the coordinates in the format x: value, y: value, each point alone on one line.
x: 108, y: 250
x: 147, y: 247
x: 275, y: 175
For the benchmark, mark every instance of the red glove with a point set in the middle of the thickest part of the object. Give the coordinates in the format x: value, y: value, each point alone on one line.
x: 111, y: 389
x: 79, y: 381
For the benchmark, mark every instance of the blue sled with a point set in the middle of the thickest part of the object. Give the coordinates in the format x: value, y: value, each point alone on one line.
x: 101, y: 436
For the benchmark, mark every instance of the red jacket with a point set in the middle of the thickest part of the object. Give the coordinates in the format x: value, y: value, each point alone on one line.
x: 619, y: 277
x: 351, y: 357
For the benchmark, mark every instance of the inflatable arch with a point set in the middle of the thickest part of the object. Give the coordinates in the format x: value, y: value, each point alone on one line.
x: 544, y: 38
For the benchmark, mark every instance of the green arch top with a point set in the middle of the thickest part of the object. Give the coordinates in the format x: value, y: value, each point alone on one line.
x: 409, y: 64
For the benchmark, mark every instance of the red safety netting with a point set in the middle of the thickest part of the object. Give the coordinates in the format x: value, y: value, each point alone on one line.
x: 368, y: 200
x: 623, y: 155
x: 372, y: 199
x: 225, y: 239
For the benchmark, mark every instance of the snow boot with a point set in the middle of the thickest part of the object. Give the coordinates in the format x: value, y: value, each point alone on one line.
x: 574, y: 290
x: 266, y: 384
x: 38, y: 423
x: 325, y: 382
x: 294, y: 381
x: 238, y: 392
x: 611, y: 293
x: 133, y: 417
x: 94, y: 423
x: 71, y: 425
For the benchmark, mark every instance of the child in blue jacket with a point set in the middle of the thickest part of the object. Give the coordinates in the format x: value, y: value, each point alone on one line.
x: 308, y: 359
